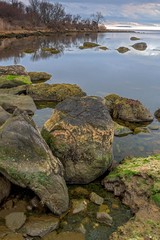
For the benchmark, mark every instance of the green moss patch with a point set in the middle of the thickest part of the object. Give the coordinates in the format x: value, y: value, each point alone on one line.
x: 88, y: 45
x: 25, y: 79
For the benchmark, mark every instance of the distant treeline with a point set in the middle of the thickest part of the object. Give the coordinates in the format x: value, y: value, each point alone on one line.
x: 41, y: 13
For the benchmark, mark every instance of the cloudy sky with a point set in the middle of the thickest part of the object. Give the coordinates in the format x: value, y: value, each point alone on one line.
x: 137, y: 12
x: 117, y: 12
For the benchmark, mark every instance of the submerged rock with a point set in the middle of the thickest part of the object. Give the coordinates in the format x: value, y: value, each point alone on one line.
x: 120, y: 130
x: 80, y: 132
x: 140, y: 46
x: 96, y: 198
x: 88, y: 45
x: 123, y: 49
x: 26, y: 160
x: 24, y: 103
x: 137, y: 181
x: 126, y: 109
x: 39, y: 76
x: 134, y: 38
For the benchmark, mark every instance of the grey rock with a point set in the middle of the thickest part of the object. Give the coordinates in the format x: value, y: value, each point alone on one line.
x: 15, y: 220
x: 96, y: 198
x: 3, y: 116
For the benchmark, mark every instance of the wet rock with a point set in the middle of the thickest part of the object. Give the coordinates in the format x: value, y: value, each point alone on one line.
x: 79, y: 205
x: 3, y: 116
x: 9, y: 81
x: 80, y: 133
x: 123, y: 49
x: 157, y: 114
x: 80, y: 192
x: 15, y: 221
x: 126, y: 109
x: 10, y: 102
x: 13, y: 70
x: 26, y: 160
x: 134, y: 38
x: 5, y: 188
x: 141, y: 130
x: 120, y: 130
x: 39, y: 76
x: 53, y: 92
x: 51, y: 50
x: 104, y: 208
x: 105, y: 218
x: 154, y: 127
x: 96, y: 198
x: 140, y: 46
x: 14, y: 236
x: 103, y: 48
x: 40, y: 226
x: 88, y: 45
x: 65, y: 236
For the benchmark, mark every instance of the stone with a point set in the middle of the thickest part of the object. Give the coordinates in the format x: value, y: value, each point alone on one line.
x: 96, y: 198
x: 4, y: 231
x: 134, y: 38
x: 79, y: 205
x: 39, y: 76
x: 13, y: 70
x: 9, y: 81
x: 123, y: 49
x: 105, y: 218
x: 140, y: 46
x: 26, y: 160
x: 40, y: 226
x: 80, y: 133
x: 128, y: 110
x: 15, y: 221
x: 3, y: 116
x: 120, y: 130
x: 80, y: 192
x: 104, y: 208
x: 5, y: 188
x: 53, y: 92
x: 157, y: 114
x: 65, y: 236
x: 13, y: 236
x: 141, y: 130
x: 88, y: 45
x: 10, y: 102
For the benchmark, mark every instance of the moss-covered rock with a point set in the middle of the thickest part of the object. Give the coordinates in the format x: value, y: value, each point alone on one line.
x: 51, y: 50
x: 88, y: 45
x: 126, y: 109
x: 54, y: 92
x: 120, y: 130
x: 137, y: 181
x: 4, y: 115
x: 157, y: 114
x: 25, y: 159
x: 140, y: 46
x: 9, y: 81
x: 123, y: 49
x: 103, y: 48
x: 39, y: 76
x: 80, y: 133
x: 134, y: 38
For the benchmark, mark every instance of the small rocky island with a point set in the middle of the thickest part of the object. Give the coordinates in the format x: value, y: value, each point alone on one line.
x: 39, y: 168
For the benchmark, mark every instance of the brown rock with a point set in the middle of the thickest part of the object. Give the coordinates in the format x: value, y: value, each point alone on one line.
x: 15, y: 221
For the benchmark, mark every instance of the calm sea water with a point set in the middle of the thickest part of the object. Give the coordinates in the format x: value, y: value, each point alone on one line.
x: 135, y: 74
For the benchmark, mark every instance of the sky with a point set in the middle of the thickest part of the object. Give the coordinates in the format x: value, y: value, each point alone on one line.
x: 118, y: 12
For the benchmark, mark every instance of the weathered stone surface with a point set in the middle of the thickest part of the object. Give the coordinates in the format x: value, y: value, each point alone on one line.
x: 3, y: 116
x: 5, y: 188
x: 9, y: 81
x: 138, y: 181
x: 53, y: 92
x: 39, y: 76
x: 12, y: 70
x: 4, y: 231
x: 96, y: 198
x: 65, y: 236
x: 140, y: 46
x: 157, y: 113
x: 120, y: 130
x: 24, y: 103
x: 13, y: 236
x: 123, y: 49
x: 105, y: 218
x: 126, y: 109
x: 40, y: 226
x: 79, y: 205
x: 27, y: 161
x: 15, y: 221
x: 80, y: 133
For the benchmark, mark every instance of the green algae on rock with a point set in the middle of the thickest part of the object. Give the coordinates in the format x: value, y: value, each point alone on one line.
x: 26, y: 160
x: 126, y: 109
x: 134, y: 38
x: 103, y: 48
x: 80, y: 134
x: 88, y: 45
x: 54, y: 92
x: 51, y: 50
x: 137, y: 181
x: 140, y: 46
x: 9, y: 81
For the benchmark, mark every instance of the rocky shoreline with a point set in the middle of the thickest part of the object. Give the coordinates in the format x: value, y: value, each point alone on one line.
x: 74, y: 146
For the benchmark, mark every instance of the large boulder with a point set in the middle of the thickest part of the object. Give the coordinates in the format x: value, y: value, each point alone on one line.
x: 140, y: 46
x: 53, y: 92
x: 80, y: 132
x: 39, y: 76
x: 24, y: 103
x: 26, y: 160
x: 12, y: 70
x: 127, y: 109
x: 3, y: 116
